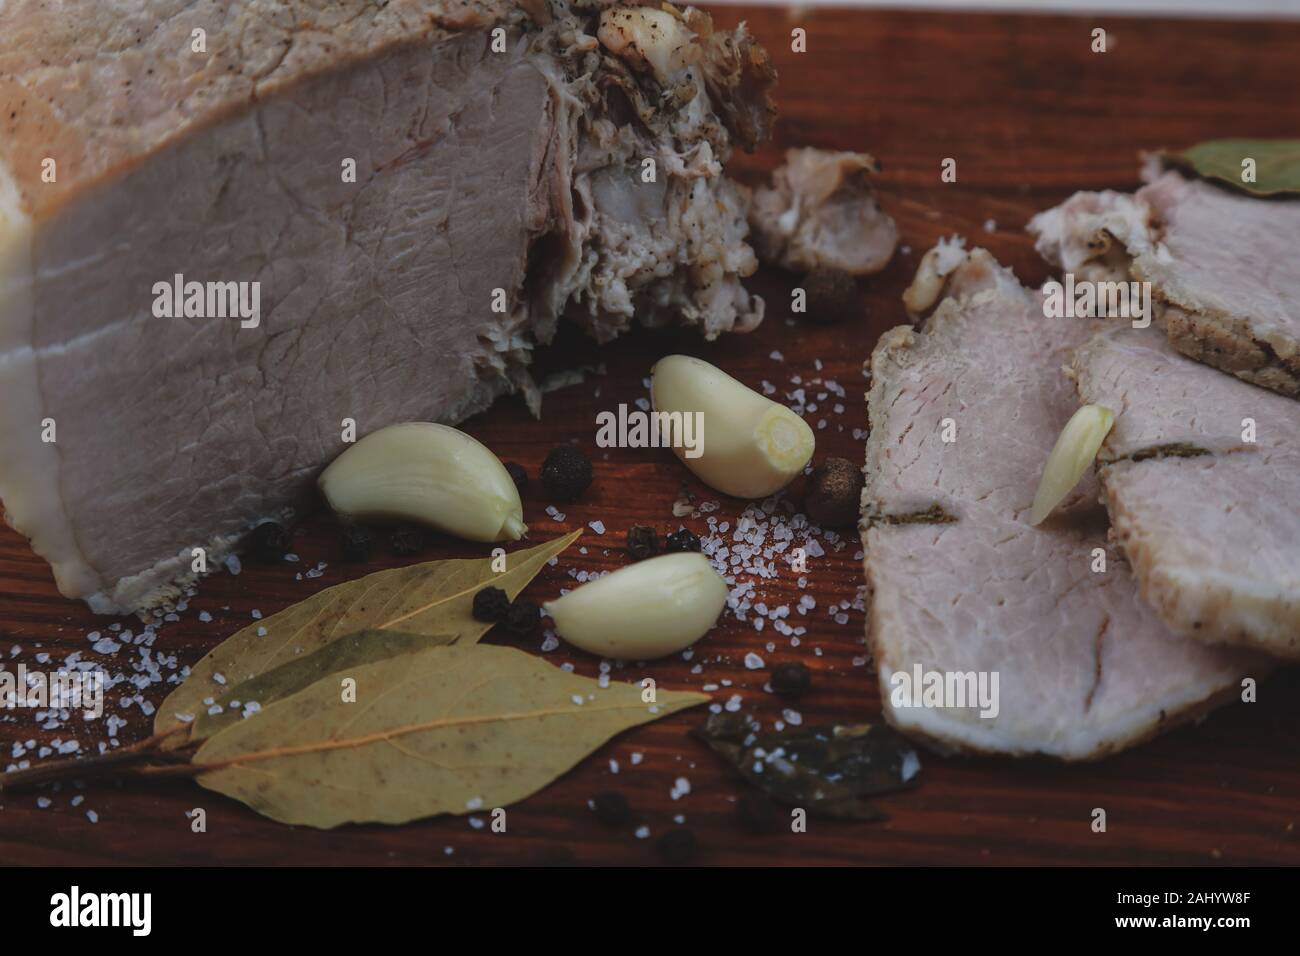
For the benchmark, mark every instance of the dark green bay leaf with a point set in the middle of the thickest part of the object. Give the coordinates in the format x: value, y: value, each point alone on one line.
x: 443, y: 730
x: 1277, y: 163
x: 829, y: 770
x: 363, y: 647
x: 432, y: 598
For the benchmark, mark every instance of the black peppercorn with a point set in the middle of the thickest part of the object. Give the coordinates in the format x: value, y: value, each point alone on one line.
x: 611, y: 807
x: 517, y: 475
x: 642, y: 542
x: 521, y: 619
x: 355, y: 541
x: 407, y: 539
x: 490, y: 605
x: 683, y: 540
x: 678, y: 846
x: 834, y: 493
x: 757, y: 813
x: 791, y: 680
x: 269, y: 542
x: 832, y: 295
x: 566, y: 473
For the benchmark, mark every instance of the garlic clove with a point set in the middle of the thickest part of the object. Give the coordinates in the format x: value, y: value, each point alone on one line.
x: 1074, y: 451
x: 430, y: 474
x: 750, y: 446
x: 643, y: 611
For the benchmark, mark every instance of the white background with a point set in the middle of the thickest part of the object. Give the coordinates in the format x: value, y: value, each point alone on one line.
x: 1203, y: 8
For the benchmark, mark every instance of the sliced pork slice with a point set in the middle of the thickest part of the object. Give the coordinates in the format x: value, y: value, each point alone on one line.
x: 821, y: 212
x: 1222, y: 266
x: 1202, y: 478
x: 961, y: 583
x: 420, y: 188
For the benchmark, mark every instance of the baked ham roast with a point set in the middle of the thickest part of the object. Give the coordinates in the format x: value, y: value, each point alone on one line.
x: 961, y: 583
x: 421, y: 189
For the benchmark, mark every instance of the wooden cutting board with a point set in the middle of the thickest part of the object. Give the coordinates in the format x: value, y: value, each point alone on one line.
x: 1030, y: 114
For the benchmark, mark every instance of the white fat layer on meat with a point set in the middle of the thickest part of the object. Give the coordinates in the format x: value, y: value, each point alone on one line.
x: 29, y: 488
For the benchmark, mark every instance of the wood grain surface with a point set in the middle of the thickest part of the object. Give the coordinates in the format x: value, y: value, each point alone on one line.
x: 1030, y: 114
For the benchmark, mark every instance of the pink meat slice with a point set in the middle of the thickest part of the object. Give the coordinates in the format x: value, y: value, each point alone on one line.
x: 961, y: 583
x: 1202, y: 479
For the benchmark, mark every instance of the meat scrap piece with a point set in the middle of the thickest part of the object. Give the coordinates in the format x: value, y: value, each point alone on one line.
x: 1222, y: 266
x: 962, y: 584
x: 821, y: 212
x: 935, y: 275
x: 1201, y: 475
x: 410, y: 206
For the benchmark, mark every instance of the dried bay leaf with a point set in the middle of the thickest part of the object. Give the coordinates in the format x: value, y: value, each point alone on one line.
x: 1277, y: 163
x: 435, y: 597
x: 447, y: 729
x: 826, y: 770
x: 363, y: 647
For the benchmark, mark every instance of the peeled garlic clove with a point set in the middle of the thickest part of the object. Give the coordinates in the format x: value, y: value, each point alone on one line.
x: 748, y: 445
x: 643, y: 611
x: 430, y: 474
x: 1074, y: 451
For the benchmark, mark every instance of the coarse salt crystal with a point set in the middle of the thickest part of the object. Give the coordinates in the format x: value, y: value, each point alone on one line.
x: 911, y: 766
